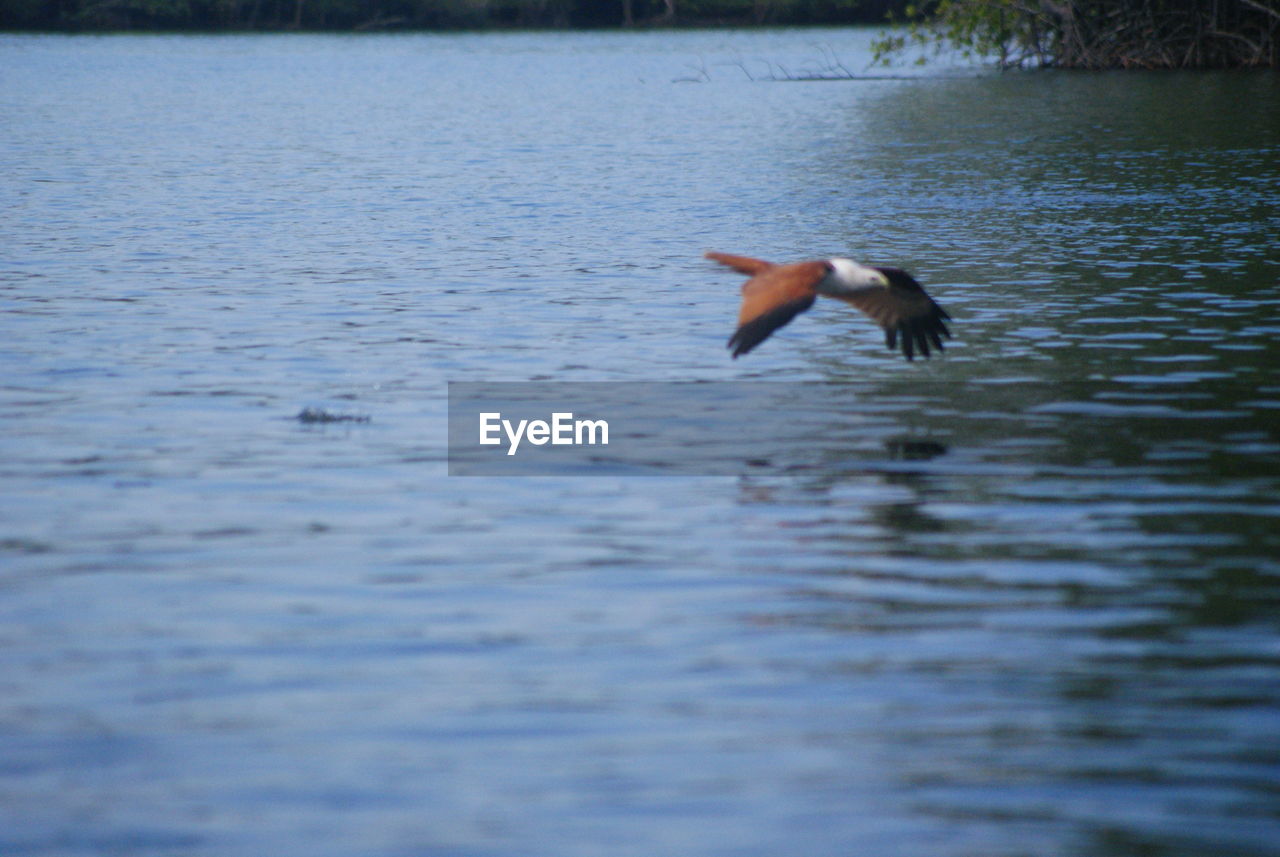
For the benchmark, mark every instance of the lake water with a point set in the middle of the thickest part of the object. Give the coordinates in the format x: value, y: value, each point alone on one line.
x: 1020, y: 600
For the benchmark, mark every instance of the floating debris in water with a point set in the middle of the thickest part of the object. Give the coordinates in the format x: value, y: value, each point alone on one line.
x: 320, y: 415
x: 914, y: 450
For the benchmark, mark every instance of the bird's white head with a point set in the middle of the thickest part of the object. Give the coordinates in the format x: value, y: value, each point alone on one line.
x: 848, y: 277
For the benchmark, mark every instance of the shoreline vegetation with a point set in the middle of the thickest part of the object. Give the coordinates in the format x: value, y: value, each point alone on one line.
x: 1098, y: 34
x: 373, y: 15
x: 1077, y: 34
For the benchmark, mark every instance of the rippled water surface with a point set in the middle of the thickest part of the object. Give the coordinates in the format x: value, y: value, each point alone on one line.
x: 1020, y: 600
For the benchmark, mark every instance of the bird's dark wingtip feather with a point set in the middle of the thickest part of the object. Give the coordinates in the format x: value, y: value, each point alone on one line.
x: 923, y: 334
x: 744, y: 339
x: 751, y: 334
x: 922, y: 340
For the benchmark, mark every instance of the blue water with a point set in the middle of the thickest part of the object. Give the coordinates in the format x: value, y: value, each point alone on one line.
x: 1020, y: 600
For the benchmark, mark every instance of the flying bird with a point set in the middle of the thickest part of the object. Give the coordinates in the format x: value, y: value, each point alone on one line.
x: 775, y: 294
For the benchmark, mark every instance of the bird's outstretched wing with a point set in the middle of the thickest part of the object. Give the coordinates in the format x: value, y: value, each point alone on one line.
x: 771, y: 298
x: 906, y: 312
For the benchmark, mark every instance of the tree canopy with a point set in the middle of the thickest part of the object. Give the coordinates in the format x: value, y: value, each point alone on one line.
x: 426, y: 14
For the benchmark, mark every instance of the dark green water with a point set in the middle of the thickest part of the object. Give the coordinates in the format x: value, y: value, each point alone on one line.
x: 1019, y: 600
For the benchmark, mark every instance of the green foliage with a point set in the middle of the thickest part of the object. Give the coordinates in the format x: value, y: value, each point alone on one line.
x: 1095, y: 33
x: 425, y: 14
x: 21, y: 13
x: 1010, y: 32
x: 112, y: 14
